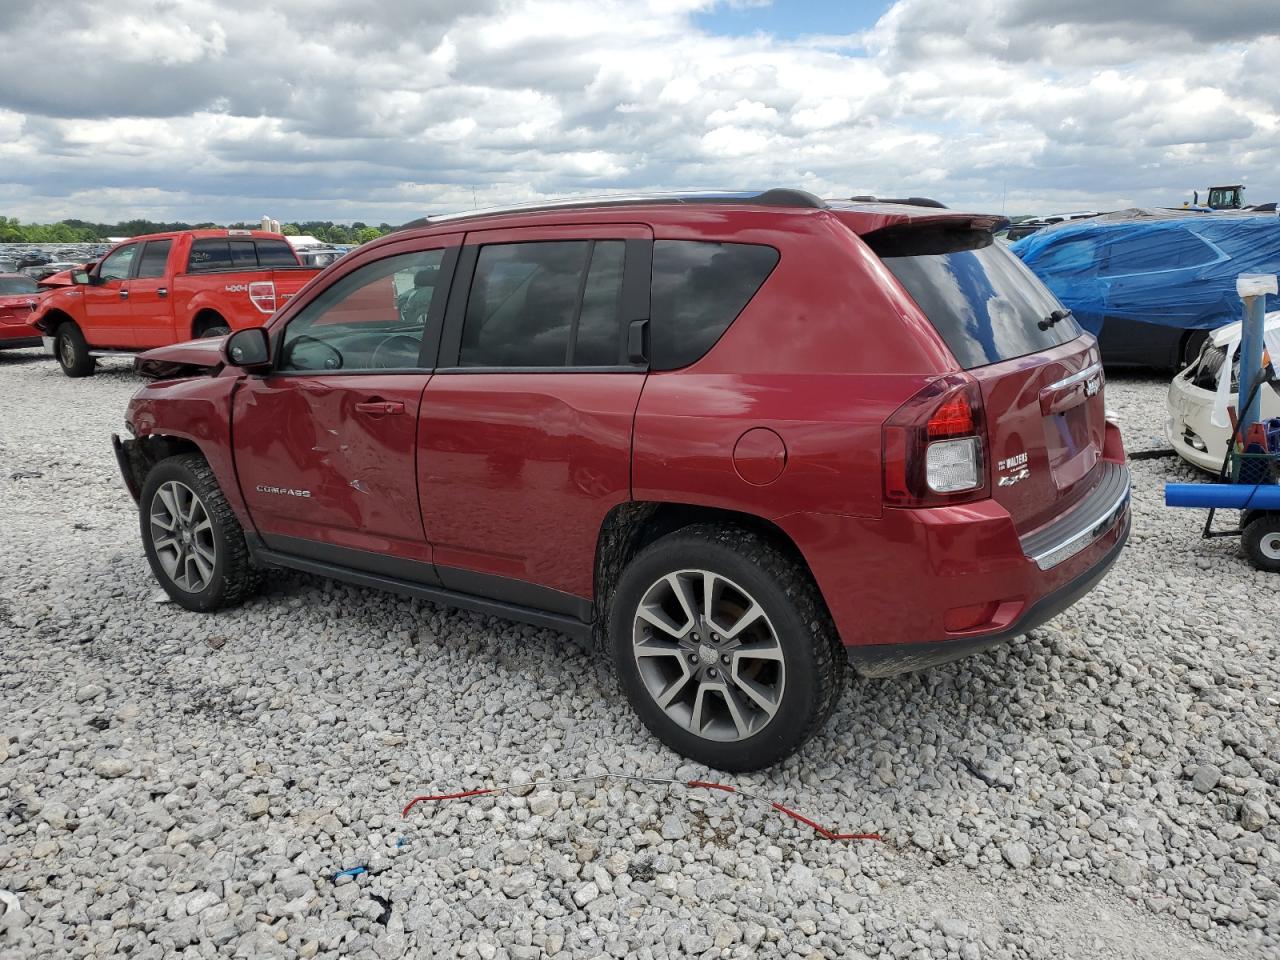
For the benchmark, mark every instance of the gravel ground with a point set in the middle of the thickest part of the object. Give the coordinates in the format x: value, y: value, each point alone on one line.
x: 175, y: 784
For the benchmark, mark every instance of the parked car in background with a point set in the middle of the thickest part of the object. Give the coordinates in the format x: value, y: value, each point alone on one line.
x: 320, y: 256
x: 1190, y: 427
x: 659, y: 422
x: 18, y: 297
x: 1024, y: 228
x: 1152, y: 284
x: 167, y: 288
x: 49, y: 269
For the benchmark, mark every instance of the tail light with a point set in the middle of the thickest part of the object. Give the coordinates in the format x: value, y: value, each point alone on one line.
x: 935, y: 446
x: 262, y: 293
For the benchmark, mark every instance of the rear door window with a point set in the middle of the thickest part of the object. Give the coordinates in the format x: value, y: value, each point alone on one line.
x: 154, y: 256
x: 699, y: 288
x: 552, y: 303
x: 983, y: 301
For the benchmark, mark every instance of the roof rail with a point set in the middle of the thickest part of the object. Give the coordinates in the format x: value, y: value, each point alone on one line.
x: 778, y: 197
x: 910, y: 201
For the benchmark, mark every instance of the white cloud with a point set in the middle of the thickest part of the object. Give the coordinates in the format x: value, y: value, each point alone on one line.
x: 327, y: 109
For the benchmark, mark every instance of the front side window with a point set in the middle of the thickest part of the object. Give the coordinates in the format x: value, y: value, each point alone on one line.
x: 699, y: 288
x: 553, y: 303
x: 372, y: 319
x: 117, y: 265
x: 154, y: 256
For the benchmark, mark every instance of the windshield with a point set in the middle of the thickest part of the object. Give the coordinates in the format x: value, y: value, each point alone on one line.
x: 11, y: 285
x: 983, y: 301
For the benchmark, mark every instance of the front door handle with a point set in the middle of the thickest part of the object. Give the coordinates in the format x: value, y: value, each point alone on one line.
x: 162, y: 291
x: 124, y: 294
x: 380, y: 407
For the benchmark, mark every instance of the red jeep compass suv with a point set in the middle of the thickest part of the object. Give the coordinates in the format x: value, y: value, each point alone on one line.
x: 743, y: 439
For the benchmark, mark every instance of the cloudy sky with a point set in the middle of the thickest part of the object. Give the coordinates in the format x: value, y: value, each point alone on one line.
x: 385, y: 111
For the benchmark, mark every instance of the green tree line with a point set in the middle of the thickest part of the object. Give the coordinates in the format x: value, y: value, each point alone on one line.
x: 13, y: 230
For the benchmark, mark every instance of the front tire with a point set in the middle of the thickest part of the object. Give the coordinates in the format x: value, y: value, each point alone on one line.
x: 194, y: 544
x: 724, y: 647
x: 73, y: 351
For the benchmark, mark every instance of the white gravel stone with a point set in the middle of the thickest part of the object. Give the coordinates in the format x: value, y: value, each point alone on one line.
x: 248, y: 756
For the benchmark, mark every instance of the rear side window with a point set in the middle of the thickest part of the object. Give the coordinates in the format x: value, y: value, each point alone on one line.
x: 209, y: 255
x: 699, y: 288
x: 553, y: 303
x: 983, y: 301
x: 154, y: 256
x: 275, y: 253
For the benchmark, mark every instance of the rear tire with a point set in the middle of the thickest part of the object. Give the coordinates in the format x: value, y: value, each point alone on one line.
x: 1261, y: 542
x: 737, y: 690
x: 73, y: 351
x: 192, y: 539
x: 212, y: 326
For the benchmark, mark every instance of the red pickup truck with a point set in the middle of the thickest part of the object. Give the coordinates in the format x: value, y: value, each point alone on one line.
x: 166, y: 288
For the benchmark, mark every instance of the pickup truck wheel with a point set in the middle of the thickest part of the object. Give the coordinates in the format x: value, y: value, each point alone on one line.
x: 724, y: 647
x: 212, y: 326
x: 73, y: 351
x: 193, y: 541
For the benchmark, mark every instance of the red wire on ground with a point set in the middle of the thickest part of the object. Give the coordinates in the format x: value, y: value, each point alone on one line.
x: 693, y: 784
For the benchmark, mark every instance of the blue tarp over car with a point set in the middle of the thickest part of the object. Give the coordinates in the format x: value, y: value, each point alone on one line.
x: 1167, y: 268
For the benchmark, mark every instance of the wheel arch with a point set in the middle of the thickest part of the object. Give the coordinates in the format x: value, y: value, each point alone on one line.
x: 203, y: 318
x: 142, y: 454
x: 51, y: 320
x: 629, y: 527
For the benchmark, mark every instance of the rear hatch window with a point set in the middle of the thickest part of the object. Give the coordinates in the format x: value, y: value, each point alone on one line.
x: 983, y: 301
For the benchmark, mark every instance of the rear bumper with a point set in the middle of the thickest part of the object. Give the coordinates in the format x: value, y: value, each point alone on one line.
x: 920, y: 587
x: 888, y: 659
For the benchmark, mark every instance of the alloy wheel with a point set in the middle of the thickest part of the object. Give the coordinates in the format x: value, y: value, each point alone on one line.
x: 67, y: 351
x: 182, y: 536
x: 708, y: 655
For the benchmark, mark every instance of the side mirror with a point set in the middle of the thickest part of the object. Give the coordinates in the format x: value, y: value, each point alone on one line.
x: 248, y: 349
x: 80, y: 277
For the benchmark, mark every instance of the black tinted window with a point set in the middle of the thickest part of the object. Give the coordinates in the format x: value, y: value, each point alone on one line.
x: 699, y: 289
x: 983, y: 301
x: 599, y: 339
x: 243, y: 255
x: 209, y: 255
x: 522, y: 303
x: 154, y: 256
x: 275, y: 253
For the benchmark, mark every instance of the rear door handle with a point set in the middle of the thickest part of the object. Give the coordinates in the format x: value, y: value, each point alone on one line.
x: 162, y: 291
x: 380, y: 406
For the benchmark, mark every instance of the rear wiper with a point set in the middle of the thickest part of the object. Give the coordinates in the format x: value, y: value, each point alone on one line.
x: 1053, y: 318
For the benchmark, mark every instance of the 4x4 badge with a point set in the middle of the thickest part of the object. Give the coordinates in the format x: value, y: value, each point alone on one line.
x: 1014, y: 468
